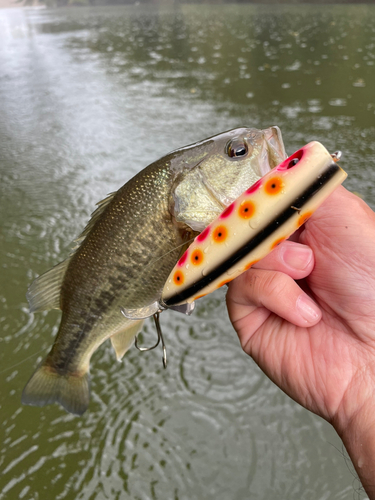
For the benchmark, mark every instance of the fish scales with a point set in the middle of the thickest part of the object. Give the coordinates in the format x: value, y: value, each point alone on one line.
x: 128, y: 250
x: 118, y: 252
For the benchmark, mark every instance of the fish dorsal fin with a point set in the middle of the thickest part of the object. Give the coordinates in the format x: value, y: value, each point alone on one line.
x: 102, y: 205
x: 123, y: 340
x: 44, y: 292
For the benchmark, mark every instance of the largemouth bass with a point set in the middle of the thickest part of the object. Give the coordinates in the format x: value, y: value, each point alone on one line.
x: 129, y: 248
x: 266, y: 214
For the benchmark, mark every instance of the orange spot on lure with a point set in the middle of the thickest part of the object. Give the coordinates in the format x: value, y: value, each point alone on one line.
x: 197, y: 257
x: 274, y: 185
x: 178, y: 278
x: 220, y: 234
x: 246, y: 209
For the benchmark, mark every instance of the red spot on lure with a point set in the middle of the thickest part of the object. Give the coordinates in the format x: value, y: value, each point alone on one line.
x: 227, y: 212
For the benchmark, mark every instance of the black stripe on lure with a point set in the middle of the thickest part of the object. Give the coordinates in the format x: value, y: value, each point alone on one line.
x: 266, y: 214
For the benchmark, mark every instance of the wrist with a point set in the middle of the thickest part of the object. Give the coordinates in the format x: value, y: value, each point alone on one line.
x: 356, y: 427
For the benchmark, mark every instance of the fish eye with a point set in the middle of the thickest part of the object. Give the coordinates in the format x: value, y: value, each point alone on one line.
x: 240, y: 151
x: 237, y: 149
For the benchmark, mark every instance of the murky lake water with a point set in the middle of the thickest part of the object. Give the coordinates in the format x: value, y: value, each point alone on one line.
x: 87, y: 99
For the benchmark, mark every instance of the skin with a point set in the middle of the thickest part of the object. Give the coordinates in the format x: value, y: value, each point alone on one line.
x: 315, y: 338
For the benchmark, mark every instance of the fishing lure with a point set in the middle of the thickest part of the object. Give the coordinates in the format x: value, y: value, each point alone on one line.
x: 266, y: 214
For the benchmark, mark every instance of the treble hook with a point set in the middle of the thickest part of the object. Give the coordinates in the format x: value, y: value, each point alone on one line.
x: 160, y: 338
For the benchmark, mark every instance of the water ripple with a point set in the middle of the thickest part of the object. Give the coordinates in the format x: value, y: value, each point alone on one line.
x: 88, y: 97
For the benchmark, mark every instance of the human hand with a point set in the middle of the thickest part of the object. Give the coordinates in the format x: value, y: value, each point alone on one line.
x: 316, y: 338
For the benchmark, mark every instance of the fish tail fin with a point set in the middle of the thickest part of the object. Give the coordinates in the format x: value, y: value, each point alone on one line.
x: 47, y: 386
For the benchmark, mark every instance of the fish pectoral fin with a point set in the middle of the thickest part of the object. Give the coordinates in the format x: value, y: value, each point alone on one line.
x: 47, y: 386
x: 123, y: 340
x: 44, y: 292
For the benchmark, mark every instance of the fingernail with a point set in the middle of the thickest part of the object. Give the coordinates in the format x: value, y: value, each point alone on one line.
x: 297, y: 257
x: 308, y: 309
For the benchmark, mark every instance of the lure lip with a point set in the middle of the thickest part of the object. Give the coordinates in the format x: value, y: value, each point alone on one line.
x: 156, y: 308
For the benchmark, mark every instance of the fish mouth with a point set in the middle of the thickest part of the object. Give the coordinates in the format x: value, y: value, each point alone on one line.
x: 275, y: 141
x: 272, y: 151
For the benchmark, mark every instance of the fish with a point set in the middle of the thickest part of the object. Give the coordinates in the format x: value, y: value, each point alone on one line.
x: 266, y: 214
x: 128, y: 249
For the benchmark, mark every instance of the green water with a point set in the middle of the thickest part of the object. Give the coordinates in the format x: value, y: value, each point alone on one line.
x: 87, y: 99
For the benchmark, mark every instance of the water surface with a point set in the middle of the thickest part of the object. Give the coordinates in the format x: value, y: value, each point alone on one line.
x: 88, y: 97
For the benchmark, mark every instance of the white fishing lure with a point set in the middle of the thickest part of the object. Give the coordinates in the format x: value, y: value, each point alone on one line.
x: 253, y: 225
